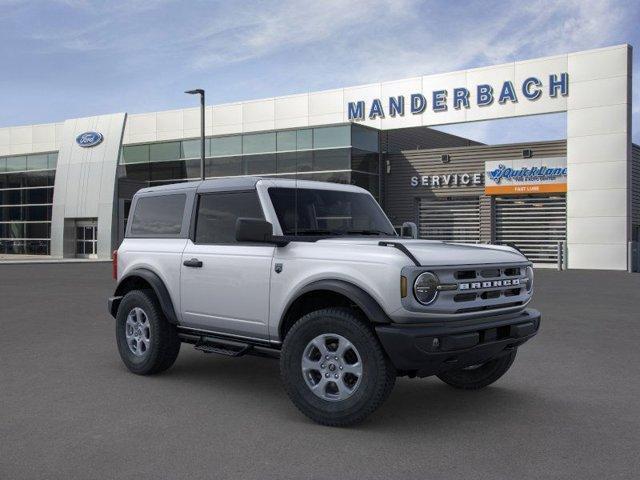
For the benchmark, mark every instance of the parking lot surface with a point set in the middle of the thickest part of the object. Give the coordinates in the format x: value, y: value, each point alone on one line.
x: 568, y: 408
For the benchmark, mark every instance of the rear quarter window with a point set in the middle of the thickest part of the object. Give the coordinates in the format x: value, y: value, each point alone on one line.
x: 158, y: 216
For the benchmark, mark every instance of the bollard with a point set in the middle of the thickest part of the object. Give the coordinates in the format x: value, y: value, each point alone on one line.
x: 560, y: 255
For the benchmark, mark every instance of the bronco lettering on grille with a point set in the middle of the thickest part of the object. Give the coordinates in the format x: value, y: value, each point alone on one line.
x: 489, y: 284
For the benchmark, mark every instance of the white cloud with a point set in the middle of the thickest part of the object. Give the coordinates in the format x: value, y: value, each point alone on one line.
x: 289, y: 24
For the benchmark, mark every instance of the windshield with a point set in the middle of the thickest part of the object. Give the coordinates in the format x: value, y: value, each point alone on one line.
x: 328, y: 212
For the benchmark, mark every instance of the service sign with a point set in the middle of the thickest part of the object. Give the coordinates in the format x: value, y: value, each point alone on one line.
x: 523, y: 176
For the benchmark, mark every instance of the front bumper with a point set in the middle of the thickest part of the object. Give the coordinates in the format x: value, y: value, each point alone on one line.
x: 426, y: 350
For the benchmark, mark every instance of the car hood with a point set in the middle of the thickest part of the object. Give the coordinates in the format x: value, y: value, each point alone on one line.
x: 436, y: 253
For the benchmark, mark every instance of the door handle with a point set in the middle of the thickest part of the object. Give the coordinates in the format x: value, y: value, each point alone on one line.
x: 194, y: 262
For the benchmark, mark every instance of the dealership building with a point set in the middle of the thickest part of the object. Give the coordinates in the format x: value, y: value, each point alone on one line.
x: 66, y: 188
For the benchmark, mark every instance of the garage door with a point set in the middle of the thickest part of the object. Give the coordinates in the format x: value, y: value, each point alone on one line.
x: 453, y: 219
x: 534, y: 224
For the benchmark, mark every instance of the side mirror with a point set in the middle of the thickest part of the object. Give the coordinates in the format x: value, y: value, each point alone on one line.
x: 256, y: 230
x: 409, y: 229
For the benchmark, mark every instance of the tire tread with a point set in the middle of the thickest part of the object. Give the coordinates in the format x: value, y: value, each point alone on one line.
x: 168, y: 344
x: 478, y: 379
x: 383, y: 364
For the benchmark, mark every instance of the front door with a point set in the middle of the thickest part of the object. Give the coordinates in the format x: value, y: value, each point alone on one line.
x: 225, y: 284
x: 86, y: 239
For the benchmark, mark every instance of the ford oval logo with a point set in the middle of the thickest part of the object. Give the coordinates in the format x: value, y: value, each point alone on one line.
x: 89, y: 139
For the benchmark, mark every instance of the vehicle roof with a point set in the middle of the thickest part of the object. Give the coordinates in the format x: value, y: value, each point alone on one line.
x: 231, y: 183
x: 243, y: 183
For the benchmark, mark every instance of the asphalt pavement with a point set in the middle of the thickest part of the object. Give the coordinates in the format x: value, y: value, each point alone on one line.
x: 69, y: 409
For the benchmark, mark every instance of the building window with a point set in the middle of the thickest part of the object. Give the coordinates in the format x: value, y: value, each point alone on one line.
x: 225, y: 146
x: 163, y: 152
x: 38, y: 162
x: 223, y: 166
x: 304, y: 139
x: 259, y: 164
x: 338, y: 159
x: 332, y: 137
x: 26, y: 197
x: 16, y: 164
x: 192, y: 148
x: 286, y: 141
x: 135, y: 154
x: 364, y: 138
x: 363, y: 161
x: 259, y: 143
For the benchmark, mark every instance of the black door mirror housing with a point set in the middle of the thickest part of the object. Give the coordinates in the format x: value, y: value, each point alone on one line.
x: 409, y: 230
x: 256, y: 230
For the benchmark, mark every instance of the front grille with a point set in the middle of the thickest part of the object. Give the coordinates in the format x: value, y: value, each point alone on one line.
x: 464, y: 297
x: 489, y: 288
x: 480, y: 289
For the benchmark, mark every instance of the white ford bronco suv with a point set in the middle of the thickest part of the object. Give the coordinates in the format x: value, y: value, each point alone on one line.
x: 315, y: 274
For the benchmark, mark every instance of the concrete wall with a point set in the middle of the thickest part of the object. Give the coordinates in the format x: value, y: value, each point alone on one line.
x: 28, y: 139
x: 599, y: 158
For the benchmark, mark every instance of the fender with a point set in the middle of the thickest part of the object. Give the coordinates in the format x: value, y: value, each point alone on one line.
x: 159, y: 288
x: 357, y: 295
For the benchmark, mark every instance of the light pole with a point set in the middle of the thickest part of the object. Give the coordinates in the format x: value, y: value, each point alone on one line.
x: 200, y: 92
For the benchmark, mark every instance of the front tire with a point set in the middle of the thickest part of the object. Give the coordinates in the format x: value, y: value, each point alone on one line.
x: 479, y: 376
x: 147, y: 342
x: 334, y: 369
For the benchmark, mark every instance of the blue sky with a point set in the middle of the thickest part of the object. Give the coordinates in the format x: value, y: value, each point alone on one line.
x: 65, y: 59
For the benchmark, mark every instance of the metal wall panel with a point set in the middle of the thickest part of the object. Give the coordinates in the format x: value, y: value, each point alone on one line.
x: 451, y: 220
x: 534, y: 224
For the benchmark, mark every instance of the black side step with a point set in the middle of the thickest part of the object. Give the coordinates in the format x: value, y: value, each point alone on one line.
x: 210, y: 342
x: 222, y: 346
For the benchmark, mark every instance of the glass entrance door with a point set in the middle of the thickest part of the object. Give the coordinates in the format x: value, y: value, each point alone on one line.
x: 87, y: 239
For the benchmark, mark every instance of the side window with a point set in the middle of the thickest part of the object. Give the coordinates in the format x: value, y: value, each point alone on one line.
x: 158, y: 216
x: 218, y: 212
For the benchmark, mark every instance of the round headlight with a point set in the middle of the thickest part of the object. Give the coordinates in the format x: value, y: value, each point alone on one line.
x: 425, y: 288
x: 529, y: 278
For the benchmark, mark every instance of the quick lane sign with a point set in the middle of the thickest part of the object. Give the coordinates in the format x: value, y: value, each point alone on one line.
x: 482, y: 95
x: 543, y: 175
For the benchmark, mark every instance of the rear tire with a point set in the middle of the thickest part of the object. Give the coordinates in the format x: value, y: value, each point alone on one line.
x: 334, y: 368
x: 479, y: 376
x: 147, y: 342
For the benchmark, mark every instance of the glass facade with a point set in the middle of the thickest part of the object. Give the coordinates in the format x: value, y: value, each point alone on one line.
x: 26, y: 198
x: 343, y: 153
